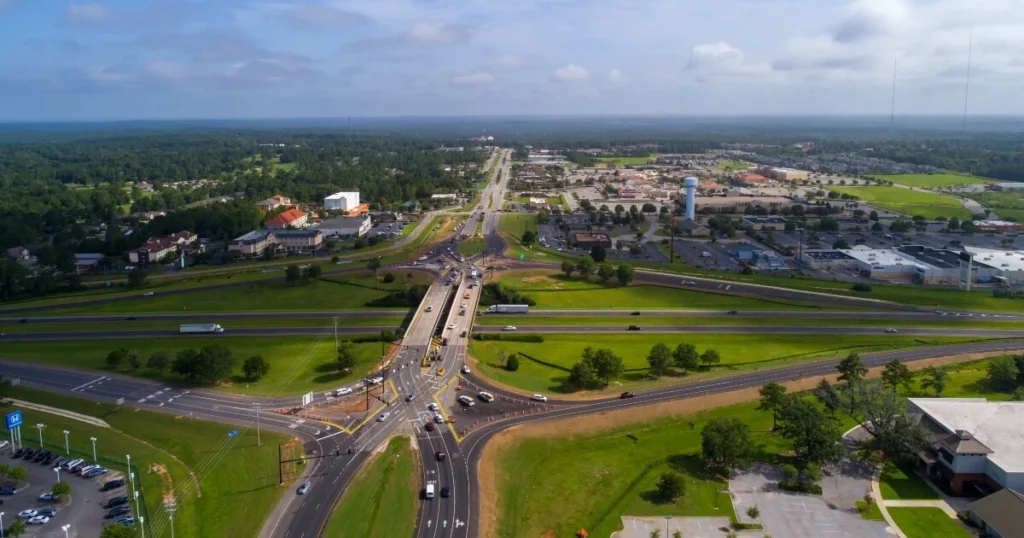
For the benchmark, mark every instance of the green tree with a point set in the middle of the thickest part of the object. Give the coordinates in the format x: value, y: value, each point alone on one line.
x: 598, y: 253
x: 389, y: 277
x: 953, y: 224
x: 346, y: 357
x: 314, y: 272
x: 374, y: 264
x: 18, y: 528
x: 660, y: 359
x: 753, y: 512
x: 773, y: 396
x: 813, y: 471
x: 61, y: 488
x: 605, y: 272
x: 726, y: 442
x: 4, y: 469
x: 896, y: 374
x: 709, y: 357
x: 512, y: 363
x: 529, y: 237
x: 136, y: 278
x: 625, y: 273
x: 686, y: 357
x: 841, y: 243
x: 1003, y: 373
x: 117, y: 357
x: 604, y: 364
x: 292, y: 274
x: 17, y: 474
x: 882, y: 411
x: 581, y: 376
x: 255, y: 367
x: 216, y: 363
x: 670, y: 487
x: 815, y: 437
x: 119, y: 530
x: 133, y: 359
x: 826, y: 394
x: 851, y: 369
x: 159, y: 361
x: 585, y: 266
x: 568, y: 268
x: 935, y: 379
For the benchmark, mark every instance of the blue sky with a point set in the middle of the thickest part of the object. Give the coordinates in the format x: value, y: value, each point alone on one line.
x: 141, y: 59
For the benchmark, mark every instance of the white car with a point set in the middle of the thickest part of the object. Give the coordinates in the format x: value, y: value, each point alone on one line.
x: 890, y: 330
x: 377, y: 380
x: 343, y: 391
x: 38, y: 520
x: 147, y: 294
x: 451, y: 325
x: 432, y: 406
x: 539, y: 398
x: 383, y: 416
x: 463, y: 304
x: 27, y: 514
x: 509, y: 328
x: 465, y: 369
x: 3, y: 444
x: 689, y: 283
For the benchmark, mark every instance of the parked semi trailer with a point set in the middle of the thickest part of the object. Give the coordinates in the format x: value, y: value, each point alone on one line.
x: 201, y: 328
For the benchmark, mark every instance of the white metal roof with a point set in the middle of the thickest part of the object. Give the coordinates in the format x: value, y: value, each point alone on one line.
x: 1006, y: 260
x: 883, y: 257
x: 996, y: 424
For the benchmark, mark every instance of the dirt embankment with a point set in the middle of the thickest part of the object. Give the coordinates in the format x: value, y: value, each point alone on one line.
x: 490, y: 472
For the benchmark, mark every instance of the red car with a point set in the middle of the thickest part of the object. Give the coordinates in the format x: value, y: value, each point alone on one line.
x: 429, y: 426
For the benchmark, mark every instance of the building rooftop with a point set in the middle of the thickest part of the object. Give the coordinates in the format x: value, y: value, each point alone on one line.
x: 943, y: 259
x: 827, y: 255
x: 287, y: 217
x: 1003, y: 512
x: 878, y: 257
x: 1006, y: 260
x: 254, y: 236
x: 297, y: 233
x: 765, y: 220
x: 995, y: 223
x: 996, y: 425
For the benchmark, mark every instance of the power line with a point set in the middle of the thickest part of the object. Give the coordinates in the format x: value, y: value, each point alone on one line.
x: 967, y: 86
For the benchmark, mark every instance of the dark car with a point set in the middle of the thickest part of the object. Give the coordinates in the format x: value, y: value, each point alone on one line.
x: 733, y: 312
x: 49, y: 511
x: 23, y: 320
x: 625, y: 395
x: 131, y: 318
x: 446, y: 492
x: 429, y: 427
x: 634, y: 328
x: 40, y: 457
x: 18, y: 453
x: 113, y: 484
x: 440, y: 456
x: 635, y: 313
x: 119, y: 511
x: 7, y: 491
x: 410, y: 397
x: 117, y: 501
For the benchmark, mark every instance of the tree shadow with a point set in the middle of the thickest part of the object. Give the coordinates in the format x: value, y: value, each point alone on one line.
x: 692, y: 465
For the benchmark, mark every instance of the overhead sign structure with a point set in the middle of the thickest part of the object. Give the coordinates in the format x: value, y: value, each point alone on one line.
x: 307, y: 399
x: 14, y: 420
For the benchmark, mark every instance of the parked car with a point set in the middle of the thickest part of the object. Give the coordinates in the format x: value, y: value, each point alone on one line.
x: 112, y: 484
x: 49, y: 497
x: 119, y: 511
x: 95, y: 472
x: 27, y: 514
x: 117, y: 501
x: 3, y: 444
x: 126, y: 520
x: 38, y: 520
x: 49, y: 511
x: 303, y: 488
x: 7, y: 491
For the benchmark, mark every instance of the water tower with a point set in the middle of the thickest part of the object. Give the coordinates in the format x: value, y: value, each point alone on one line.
x: 690, y: 184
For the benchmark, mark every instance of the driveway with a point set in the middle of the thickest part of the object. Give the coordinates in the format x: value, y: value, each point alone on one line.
x: 807, y: 516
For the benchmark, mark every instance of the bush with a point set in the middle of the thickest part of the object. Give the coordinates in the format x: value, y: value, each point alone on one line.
x: 528, y: 338
x: 747, y: 526
x: 512, y: 364
x: 495, y: 293
x: 860, y: 286
x: 800, y: 487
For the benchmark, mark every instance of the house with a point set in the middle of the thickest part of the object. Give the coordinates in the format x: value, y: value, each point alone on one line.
x: 999, y: 515
x: 274, y: 202
x: 693, y: 229
x: 298, y: 240
x: 342, y: 201
x: 144, y: 186
x: 977, y: 445
x: 345, y: 226
x: 252, y: 243
x: 158, y: 248
x: 149, y: 215
x: 588, y: 240
x: 20, y: 254
x: 86, y: 262
x: 293, y: 218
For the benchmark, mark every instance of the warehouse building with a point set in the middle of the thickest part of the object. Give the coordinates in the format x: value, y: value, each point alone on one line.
x: 1008, y: 265
x: 342, y: 201
x: 828, y: 260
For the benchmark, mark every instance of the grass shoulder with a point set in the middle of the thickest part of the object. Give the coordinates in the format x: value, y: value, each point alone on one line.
x: 927, y: 522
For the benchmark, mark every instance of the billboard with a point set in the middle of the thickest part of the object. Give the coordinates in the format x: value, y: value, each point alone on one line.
x: 14, y: 420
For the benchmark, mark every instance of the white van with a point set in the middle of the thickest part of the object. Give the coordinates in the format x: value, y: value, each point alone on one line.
x: 430, y: 491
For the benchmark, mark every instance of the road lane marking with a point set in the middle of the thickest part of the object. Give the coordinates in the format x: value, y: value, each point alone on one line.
x: 89, y: 383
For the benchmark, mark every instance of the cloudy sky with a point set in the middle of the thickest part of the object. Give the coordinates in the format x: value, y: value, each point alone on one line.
x: 129, y: 59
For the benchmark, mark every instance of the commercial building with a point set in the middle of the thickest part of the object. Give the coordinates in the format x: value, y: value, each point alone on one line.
x: 293, y: 218
x: 1000, y: 226
x: 783, y: 174
x: 273, y: 202
x: 999, y: 515
x: 978, y: 446
x: 1008, y: 264
x: 298, y: 240
x: 576, y: 223
x: 827, y: 260
x: 252, y: 243
x: 342, y: 201
x: 751, y: 179
x: 693, y: 229
x: 767, y: 223
x: 588, y: 240
x: 158, y: 248
x: 345, y: 226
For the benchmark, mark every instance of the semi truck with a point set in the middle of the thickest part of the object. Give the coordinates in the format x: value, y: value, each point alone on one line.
x: 508, y: 309
x: 201, y: 328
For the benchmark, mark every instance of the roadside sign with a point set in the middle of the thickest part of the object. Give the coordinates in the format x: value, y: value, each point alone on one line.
x: 14, y: 420
x: 232, y: 433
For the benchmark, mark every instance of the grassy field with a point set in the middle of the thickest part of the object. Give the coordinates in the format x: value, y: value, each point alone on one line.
x: 732, y: 166
x: 546, y: 365
x: 472, y: 246
x: 908, y: 202
x: 897, y: 483
x: 238, y: 492
x: 927, y: 523
x: 381, y: 500
x: 554, y: 290
x: 929, y: 181
x: 1015, y: 214
x: 513, y: 226
x: 172, y: 327
x: 681, y: 320
x: 338, y: 293
x: 623, y: 161
x: 297, y: 363
x: 869, y: 511
x: 1000, y: 201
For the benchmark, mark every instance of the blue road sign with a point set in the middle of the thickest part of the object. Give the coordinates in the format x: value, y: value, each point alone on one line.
x: 232, y: 433
x: 14, y: 420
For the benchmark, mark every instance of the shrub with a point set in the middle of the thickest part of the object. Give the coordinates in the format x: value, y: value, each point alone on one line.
x: 512, y: 364
x: 800, y: 486
x: 860, y: 286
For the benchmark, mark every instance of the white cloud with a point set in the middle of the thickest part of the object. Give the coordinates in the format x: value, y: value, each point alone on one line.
x: 715, y: 60
x: 86, y: 14
x: 571, y: 72
x: 509, y: 61
x: 474, y: 78
x: 429, y: 33
x: 614, y: 75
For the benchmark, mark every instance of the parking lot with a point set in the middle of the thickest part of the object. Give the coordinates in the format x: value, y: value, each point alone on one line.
x: 83, y: 510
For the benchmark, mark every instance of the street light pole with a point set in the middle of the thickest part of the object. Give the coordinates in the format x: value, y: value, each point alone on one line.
x: 258, y: 443
x: 67, y: 447
x: 65, y: 529
x: 169, y: 507
x: 57, y: 470
x: 142, y: 525
x: 40, y: 427
x: 1, y: 525
x: 93, y: 439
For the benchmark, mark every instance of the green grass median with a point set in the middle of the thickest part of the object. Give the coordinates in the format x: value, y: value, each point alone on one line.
x: 381, y: 500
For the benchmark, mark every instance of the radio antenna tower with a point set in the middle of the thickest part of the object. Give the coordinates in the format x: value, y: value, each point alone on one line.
x: 967, y: 86
x: 892, y: 104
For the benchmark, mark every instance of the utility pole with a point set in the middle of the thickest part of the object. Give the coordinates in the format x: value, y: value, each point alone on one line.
x: 170, y: 507
x: 258, y: 443
x: 335, y: 319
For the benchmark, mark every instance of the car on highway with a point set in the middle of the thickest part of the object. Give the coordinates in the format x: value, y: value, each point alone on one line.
x: 625, y: 395
x: 432, y: 406
x: 465, y: 369
x: 440, y: 456
x: 410, y: 397
x: 446, y: 492
x: 688, y: 283
x: 438, y: 418
x: 342, y: 391
x: 441, y: 371
x: 633, y: 328
x: 303, y: 488
x: 890, y: 330
x: 430, y: 309
x: 733, y: 312
x: 485, y: 396
x: 383, y: 416
x: 147, y: 294
x: 451, y: 326
x: 377, y: 380
x: 510, y: 328
x: 539, y: 398
x: 466, y: 401
x: 466, y: 296
x: 463, y: 305
x: 429, y: 426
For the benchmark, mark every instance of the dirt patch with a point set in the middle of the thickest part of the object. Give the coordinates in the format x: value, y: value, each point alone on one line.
x: 546, y: 281
x: 490, y: 471
x: 167, y: 489
x: 292, y: 450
